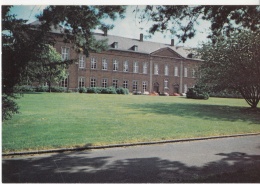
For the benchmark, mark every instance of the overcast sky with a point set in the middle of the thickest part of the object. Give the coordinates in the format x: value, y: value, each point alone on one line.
x: 127, y: 27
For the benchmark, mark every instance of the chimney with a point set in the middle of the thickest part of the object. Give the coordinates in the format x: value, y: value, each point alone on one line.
x: 105, y: 31
x: 141, y: 37
x: 172, y: 42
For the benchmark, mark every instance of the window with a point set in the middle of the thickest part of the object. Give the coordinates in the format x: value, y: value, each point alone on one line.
x: 81, y: 62
x: 193, y: 73
x: 65, y: 53
x: 185, y: 72
x: 134, y: 85
x: 176, y: 71
x: 81, y: 82
x: 125, y: 66
x: 125, y: 84
x: 185, y: 88
x: 115, y: 65
x: 145, y: 68
x: 64, y: 82
x: 156, y: 69
x: 115, y: 83
x: 135, y: 67
x: 93, y: 63
x: 104, y: 83
x: 144, y: 86
x: 165, y: 83
x: 135, y: 48
x: 166, y: 70
x: 92, y: 82
x: 104, y: 64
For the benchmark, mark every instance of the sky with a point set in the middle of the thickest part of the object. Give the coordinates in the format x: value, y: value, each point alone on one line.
x: 129, y: 26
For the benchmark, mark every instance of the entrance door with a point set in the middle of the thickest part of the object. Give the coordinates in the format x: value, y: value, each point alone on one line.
x: 156, y: 87
x: 176, y: 88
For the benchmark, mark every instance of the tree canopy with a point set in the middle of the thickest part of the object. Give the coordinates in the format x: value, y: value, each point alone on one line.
x: 180, y: 20
x: 233, y: 63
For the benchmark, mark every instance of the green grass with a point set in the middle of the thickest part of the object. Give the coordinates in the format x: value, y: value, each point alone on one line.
x: 71, y: 119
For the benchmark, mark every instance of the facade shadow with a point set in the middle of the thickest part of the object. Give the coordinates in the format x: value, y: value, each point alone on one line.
x: 218, y: 112
x: 79, y: 167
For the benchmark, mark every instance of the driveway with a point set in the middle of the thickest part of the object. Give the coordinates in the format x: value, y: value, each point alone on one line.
x: 218, y: 160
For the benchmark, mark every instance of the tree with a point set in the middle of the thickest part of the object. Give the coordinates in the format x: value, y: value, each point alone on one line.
x: 22, y: 42
x: 233, y: 63
x: 180, y: 20
x: 49, y: 67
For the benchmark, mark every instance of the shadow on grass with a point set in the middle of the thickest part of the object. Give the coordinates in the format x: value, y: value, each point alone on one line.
x: 211, y: 112
x: 87, y: 168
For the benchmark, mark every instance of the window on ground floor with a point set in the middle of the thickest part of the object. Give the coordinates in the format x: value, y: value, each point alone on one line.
x: 104, y: 83
x: 125, y: 84
x: 81, y: 82
x: 115, y: 83
x: 134, y: 85
x: 92, y: 82
x: 144, y: 86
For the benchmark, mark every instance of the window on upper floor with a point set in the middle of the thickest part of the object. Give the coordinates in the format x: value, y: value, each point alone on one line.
x: 65, y: 53
x: 126, y: 68
x: 176, y: 74
x: 104, y: 64
x: 166, y: 70
x: 185, y: 72
x: 156, y: 69
x: 82, y: 63
x: 193, y: 73
x: 145, y: 68
x: 136, y: 67
x: 93, y: 63
x: 115, y: 65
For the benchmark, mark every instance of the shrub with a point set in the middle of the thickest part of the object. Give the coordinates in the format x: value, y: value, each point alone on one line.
x: 111, y: 90
x: 9, y: 106
x: 41, y: 89
x: 58, y: 89
x: 82, y: 90
x: 198, y: 92
x: 123, y: 91
x: 91, y: 90
x: 21, y: 89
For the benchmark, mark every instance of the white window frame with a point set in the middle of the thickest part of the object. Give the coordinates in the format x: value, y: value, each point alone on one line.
x: 156, y: 69
x: 65, y: 53
x: 136, y: 67
x: 144, y: 86
x: 185, y: 72
x: 166, y: 82
x: 64, y: 82
x: 93, y: 63
x: 81, y: 82
x: 125, y: 84
x: 115, y: 65
x: 82, y: 63
x: 104, y: 83
x: 115, y: 83
x: 92, y: 82
x: 126, y: 68
x: 135, y: 85
x: 145, y: 68
x: 166, y: 70
x: 193, y: 73
x: 104, y: 64
x: 176, y: 74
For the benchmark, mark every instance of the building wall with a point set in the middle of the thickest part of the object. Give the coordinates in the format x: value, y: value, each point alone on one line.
x: 155, y: 82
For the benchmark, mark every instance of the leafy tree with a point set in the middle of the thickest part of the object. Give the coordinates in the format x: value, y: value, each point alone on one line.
x: 233, y: 63
x: 49, y: 67
x: 21, y: 42
x: 180, y: 20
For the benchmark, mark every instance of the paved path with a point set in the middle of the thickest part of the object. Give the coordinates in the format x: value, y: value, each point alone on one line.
x: 209, y: 160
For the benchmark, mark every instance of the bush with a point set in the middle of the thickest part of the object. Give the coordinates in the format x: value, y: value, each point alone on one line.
x: 9, y: 106
x: 41, y: 88
x: 58, y: 89
x: 111, y: 90
x: 225, y: 94
x: 198, y: 92
x: 22, y: 89
x: 91, y: 90
x: 82, y: 90
x: 122, y: 91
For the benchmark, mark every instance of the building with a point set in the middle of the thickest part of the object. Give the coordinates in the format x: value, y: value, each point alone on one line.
x: 141, y: 66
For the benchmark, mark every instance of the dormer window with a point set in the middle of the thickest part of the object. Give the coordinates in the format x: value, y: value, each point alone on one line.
x: 135, y: 48
x: 115, y: 45
x: 190, y: 55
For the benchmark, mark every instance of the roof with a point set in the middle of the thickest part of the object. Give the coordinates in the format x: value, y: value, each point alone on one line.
x: 127, y: 44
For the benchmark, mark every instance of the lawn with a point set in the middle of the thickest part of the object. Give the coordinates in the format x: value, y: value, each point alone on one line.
x: 72, y: 119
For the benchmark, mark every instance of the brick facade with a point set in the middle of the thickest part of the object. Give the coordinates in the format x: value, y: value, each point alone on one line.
x: 156, y: 70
